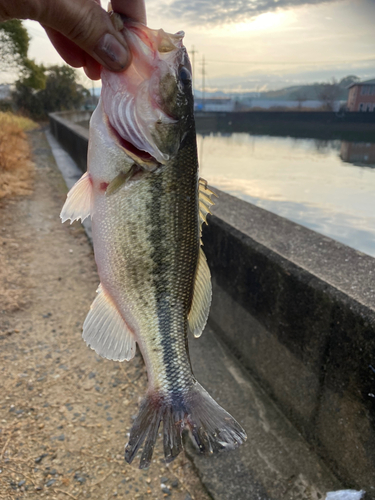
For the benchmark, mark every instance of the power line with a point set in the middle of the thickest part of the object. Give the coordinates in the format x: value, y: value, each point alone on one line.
x: 302, y: 63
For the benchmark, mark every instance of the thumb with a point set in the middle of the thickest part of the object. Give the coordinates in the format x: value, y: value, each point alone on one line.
x: 88, y: 26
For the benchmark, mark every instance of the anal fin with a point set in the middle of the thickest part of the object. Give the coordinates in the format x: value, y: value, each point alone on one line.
x: 105, y: 331
x: 78, y: 202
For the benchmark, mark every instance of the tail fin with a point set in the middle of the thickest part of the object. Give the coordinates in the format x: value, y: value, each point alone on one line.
x: 212, y: 428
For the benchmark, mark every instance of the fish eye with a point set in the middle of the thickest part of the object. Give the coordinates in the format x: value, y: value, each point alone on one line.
x: 184, y: 75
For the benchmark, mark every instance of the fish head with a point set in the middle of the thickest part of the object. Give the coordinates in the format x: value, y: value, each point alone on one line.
x: 149, y: 107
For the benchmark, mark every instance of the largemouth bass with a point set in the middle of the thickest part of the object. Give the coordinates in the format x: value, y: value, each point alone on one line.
x: 147, y: 205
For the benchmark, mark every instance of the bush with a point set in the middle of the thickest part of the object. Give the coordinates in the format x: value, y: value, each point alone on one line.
x: 6, y: 106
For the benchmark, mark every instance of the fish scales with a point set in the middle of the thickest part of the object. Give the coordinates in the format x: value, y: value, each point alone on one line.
x: 146, y: 222
x: 175, y: 243
x: 153, y: 268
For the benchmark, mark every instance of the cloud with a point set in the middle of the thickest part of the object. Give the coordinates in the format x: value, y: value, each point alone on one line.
x: 217, y: 12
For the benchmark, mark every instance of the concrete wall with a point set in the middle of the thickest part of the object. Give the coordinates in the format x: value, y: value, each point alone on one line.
x: 315, y: 124
x: 320, y: 117
x: 298, y: 311
x: 70, y: 135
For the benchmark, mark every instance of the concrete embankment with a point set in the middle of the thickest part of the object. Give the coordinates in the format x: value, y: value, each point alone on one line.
x: 289, y: 350
x: 314, y: 124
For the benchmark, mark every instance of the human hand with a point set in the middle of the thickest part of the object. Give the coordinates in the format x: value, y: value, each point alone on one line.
x: 80, y: 30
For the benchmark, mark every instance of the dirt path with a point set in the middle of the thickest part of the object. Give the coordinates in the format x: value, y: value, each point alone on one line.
x: 64, y: 412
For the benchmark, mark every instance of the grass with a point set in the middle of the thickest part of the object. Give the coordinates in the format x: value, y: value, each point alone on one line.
x: 16, y: 167
x: 20, y: 121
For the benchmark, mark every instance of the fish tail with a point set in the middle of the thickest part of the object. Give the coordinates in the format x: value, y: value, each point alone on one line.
x: 212, y: 428
x: 145, y: 427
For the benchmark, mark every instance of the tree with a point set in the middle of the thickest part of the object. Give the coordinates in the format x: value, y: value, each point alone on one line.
x: 27, y: 102
x: 61, y: 92
x: 33, y: 75
x: 348, y: 80
x: 14, y: 44
x: 301, y: 97
x: 39, y: 90
x: 328, y: 93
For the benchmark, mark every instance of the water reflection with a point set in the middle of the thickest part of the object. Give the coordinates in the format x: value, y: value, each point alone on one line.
x: 358, y: 153
x: 325, y: 185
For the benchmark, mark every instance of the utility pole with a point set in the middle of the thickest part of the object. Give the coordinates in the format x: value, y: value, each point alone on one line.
x: 193, y: 52
x: 203, y: 80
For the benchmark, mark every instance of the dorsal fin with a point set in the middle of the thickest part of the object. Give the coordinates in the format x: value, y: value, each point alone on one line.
x: 78, y: 202
x: 105, y: 331
x: 200, y: 306
x: 205, y: 201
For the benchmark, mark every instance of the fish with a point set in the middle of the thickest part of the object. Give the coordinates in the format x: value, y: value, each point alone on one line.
x: 147, y: 206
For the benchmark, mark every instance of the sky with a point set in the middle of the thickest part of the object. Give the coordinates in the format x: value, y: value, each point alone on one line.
x: 259, y: 45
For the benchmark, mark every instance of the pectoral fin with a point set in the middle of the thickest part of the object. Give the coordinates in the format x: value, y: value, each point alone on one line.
x: 120, y: 180
x: 78, y: 202
x: 200, y: 306
x: 105, y: 331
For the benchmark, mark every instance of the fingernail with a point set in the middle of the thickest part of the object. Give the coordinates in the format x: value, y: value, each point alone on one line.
x: 112, y: 52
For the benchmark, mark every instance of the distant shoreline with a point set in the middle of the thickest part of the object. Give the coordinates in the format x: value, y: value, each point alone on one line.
x: 310, y: 124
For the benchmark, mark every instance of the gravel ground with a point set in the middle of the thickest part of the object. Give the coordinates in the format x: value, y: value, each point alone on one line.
x: 65, y: 413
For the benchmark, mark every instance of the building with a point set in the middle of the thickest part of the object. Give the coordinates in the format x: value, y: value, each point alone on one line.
x: 222, y: 104
x: 283, y: 104
x: 362, y: 96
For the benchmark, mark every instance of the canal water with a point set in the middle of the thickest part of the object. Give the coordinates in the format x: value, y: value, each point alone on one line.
x: 325, y: 185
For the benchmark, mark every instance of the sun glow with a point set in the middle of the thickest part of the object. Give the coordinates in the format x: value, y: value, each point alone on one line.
x: 262, y: 22
x: 267, y: 20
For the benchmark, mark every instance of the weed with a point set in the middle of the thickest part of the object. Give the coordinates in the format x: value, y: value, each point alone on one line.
x: 16, y: 168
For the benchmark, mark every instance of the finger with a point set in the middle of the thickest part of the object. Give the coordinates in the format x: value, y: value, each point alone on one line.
x: 68, y: 50
x: 92, y: 68
x: 135, y: 9
x: 74, y: 55
x: 88, y: 26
